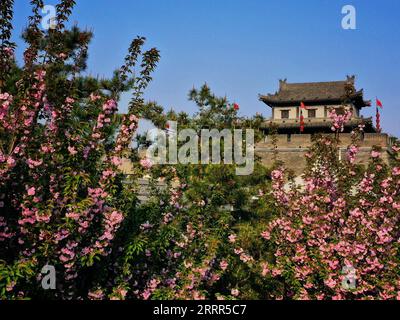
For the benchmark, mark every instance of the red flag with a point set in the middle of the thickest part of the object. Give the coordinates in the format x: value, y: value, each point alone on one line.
x: 378, y: 120
x: 303, y: 106
x: 379, y: 103
x: 235, y: 106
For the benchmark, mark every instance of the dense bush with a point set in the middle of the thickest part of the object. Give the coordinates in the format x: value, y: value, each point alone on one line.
x: 62, y: 196
x: 338, y: 237
x: 206, y: 233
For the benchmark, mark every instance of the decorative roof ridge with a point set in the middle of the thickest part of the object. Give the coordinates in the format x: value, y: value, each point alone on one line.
x: 313, y: 92
x: 314, y: 82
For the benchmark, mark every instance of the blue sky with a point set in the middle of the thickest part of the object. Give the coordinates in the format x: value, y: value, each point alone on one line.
x: 242, y: 47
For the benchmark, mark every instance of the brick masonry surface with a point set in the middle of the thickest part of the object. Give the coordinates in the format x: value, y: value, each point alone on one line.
x: 291, y: 150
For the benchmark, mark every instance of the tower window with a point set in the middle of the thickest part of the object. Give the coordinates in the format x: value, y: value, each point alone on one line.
x: 285, y: 114
x: 289, y: 137
x: 311, y: 113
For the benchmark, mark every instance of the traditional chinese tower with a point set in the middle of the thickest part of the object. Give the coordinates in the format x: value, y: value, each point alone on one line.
x: 319, y: 98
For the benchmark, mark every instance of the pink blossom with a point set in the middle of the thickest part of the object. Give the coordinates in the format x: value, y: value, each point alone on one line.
x: 396, y: 171
x: 277, y: 174
x: 122, y: 292
x: 146, y: 294
x: 146, y: 163
x: 146, y: 226
x: 11, y: 161
x: 72, y: 150
x: 339, y: 120
x: 32, y: 163
x: 396, y: 148
x: 116, y: 161
x: 351, y: 153
x: 375, y: 154
x: 31, y: 191
x: 96, y: 294
x: 223, y: 264
x: 232, y: 238
x: 245, y: 257
x: 9, y: 51
x: 266, y: 235
x: 330, y: 283
x: 94, y: 97
x: 72, y: 215
x: 265, y: 269
x: 235, y: 292
x: 69, y: 100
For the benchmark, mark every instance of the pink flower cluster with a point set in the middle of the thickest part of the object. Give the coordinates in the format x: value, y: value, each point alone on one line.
x: 150, y: 288
x: 112, y: 221
x: 5, y: 103
x: 327, y: 228
x: 9, y: 52
x: 5, y: 232
x: 277, y: 185
x: 146, y: 163
x: 104, y: 118
x: 96, y: 294
x: 128, y: 128
x: 351, y: 153
x: 339, y: 120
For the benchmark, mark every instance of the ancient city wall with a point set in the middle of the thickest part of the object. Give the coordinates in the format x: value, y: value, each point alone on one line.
x: 291, y: 150
x: 304, y: 140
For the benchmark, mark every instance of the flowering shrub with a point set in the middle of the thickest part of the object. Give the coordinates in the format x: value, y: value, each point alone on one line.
x: 338, y: 120
x: 338, y: 238
x: 204, y: 232
x: 175, y: 245
x: 60, y: 183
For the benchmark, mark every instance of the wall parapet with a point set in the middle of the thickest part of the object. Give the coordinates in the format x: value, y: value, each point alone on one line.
x: 305, y: 140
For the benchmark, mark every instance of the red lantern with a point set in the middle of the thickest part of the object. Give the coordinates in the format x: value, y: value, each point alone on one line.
x: 301, y: 122
x: 378, y: 121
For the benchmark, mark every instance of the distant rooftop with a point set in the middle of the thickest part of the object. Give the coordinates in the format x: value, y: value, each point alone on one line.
x: 312, y: 93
